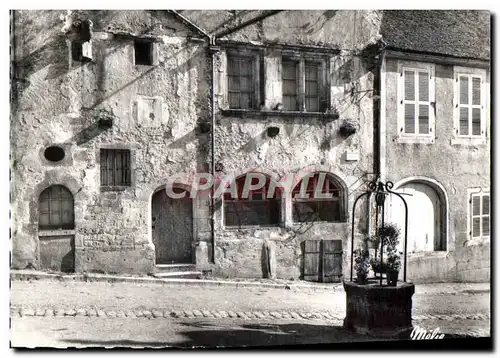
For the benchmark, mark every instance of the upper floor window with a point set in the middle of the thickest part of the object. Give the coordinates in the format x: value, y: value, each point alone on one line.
x: 470, y: 104
x: 254, y: 209
x: 115, y: 167
x: 309, y: 206
x: 144, y: 52
x: 479, y: 214
x: 56, y: 208
x: 301, y: 84
x: 416, y: 102
x: 240, y: 72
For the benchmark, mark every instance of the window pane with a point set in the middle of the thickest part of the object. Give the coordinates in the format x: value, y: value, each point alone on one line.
x: 245, y: 84
x: 486, y: 205
x: 423, y: 86
x: 233, y: 67
x: 423, y: 119
x: 464, y: 90
x: 305, y: 211
x: 55, y: 205
x: 464, y: 121
x: 43, y: 220
x: 246, y: 67
x: 409, y: 118
x: 289, y: 70
x: 476, y: 121
x: 329, y: 210
x: 44, y: 205
x: 486, y: 226
x: 476, y: 226
x: 234, y: 83
x: 234, y: 100
x: 311, y: 89
x: 312, y: 104
x: 55, y: 218
x: 311, y: 72
x: 245, y: 101
x: 476, y: 90
x: 409, y: 78
x: 476, y: 205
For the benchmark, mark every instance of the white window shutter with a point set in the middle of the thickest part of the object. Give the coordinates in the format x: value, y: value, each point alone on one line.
x: 87, y: 50
x: 409, y: 85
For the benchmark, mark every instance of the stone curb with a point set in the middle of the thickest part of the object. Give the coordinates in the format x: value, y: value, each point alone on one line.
x: 158, y: 313
x: 336, y: 287
x: 43, y: 276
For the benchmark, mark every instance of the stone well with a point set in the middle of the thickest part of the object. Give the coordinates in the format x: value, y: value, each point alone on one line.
x: 379, y: 311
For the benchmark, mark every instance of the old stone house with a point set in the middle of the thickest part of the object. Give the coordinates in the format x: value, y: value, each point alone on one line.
x: 107, y: 106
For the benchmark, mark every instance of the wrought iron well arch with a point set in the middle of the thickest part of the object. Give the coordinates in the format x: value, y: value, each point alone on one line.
x: 381, y: 191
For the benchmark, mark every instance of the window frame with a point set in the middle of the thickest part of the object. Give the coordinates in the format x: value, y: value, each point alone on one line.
x: 153, y: 55
x: 64, y: 225
x: 255, y: 57
x: 470, y: 72
x: 403, y: 137
x: 302, y: 60
x: 129, y: 182
x: 263, y: 191
x: 481, y: 193
x: 340, y: 198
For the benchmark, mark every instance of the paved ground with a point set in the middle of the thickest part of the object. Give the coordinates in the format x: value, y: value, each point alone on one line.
x: 80, y: 314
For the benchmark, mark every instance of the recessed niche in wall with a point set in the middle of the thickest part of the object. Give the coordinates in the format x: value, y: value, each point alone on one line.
x: 149, y: 111
x: 143, y: 52
x: 54, y: 153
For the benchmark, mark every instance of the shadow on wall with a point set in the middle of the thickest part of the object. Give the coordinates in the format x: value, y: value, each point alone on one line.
x: 210, y: 335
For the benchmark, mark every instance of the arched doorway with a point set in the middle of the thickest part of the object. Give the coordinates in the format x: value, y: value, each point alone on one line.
x: 56, y: 221
x: 426, y: 216
x: 172, y: 227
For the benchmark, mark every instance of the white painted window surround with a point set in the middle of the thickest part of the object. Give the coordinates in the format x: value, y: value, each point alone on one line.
x: 470, y: 101
x: 478, y: 214
x: 416, y: 102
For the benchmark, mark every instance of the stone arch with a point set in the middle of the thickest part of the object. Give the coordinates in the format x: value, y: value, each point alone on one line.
x: 443, y: 211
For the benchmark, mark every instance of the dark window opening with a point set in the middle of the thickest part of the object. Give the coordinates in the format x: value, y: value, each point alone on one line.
x: 256, y: 210
x: 56, y: 208
x: 81, y: 51
x: 315, y: 208
x: 115, y: 167
x: 54, y: 154
x: 143, y: 52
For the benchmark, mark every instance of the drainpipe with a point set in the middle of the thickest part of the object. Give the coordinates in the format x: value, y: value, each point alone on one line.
x: 213, y: 50
x: 382, y: 123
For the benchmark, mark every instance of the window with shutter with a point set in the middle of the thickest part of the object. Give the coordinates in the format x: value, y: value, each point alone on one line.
x: 470, y: 101
x: 240, y: 82
x: 416, y: 102
x: 115, y: 167
x: 469, y: 105
x: 480, y: 215
x: 290, y: 77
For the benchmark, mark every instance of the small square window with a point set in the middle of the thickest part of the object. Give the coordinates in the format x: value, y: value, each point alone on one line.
x: 81, y: 51
x: 115, y: 167
x: 143, y: 52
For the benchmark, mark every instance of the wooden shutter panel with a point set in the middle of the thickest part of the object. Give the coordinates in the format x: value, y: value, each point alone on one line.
x: 476, y: 91
x: 476, y: 121
x: 311, y: 260
x: 464, y: 120
x: 409, y: 87
x: 332, y: 260
x: 486, y: 205
x: 423, y: 86
x: 423, y: 119
x: 409, y: 118
x: 464, y: 90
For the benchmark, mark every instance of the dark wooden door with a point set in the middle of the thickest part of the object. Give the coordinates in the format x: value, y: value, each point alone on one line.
x: 172, y: 222
x: 322, y: 260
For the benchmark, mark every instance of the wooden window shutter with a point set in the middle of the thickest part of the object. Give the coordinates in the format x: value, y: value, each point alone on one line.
x: 476, y: 216
x: 410, y: 96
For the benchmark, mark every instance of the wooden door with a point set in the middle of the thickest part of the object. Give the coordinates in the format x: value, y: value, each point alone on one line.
x: 172, y: 221
x: 322, y: 260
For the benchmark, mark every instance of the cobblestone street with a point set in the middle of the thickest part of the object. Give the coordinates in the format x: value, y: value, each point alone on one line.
x: 457, y: 309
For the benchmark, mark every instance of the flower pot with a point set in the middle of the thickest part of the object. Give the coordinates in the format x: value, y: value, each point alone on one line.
x: 392, y: 277
x: 362, y: 279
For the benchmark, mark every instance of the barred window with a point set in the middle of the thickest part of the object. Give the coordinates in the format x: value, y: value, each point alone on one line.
x: 56, y: 209
x: 240, y: 82
x: 255, y: 210
x: 290, y: 77
x: 115, y: 167
x: 308, y: 208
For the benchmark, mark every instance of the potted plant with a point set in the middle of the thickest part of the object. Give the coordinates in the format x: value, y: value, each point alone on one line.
x: 393, y: 266
x: 372, y: 242
x: 361, y: 265
x: 389, y: 233
x: 377, y: 266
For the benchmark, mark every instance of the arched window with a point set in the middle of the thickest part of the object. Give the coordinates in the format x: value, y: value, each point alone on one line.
x: 308, y: 207
x: 56, y: 209
x: 254, y: 210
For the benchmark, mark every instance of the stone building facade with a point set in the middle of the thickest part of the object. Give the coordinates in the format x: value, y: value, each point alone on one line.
x: 108, y: 106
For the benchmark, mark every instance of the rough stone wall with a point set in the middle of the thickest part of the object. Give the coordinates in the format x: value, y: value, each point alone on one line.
x: 303, y: 142
x: 58, y: 103
x: 456, y: 168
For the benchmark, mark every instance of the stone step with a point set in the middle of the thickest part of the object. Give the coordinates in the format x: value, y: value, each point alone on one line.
x: 178, y: 274
x: 174, y: 267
